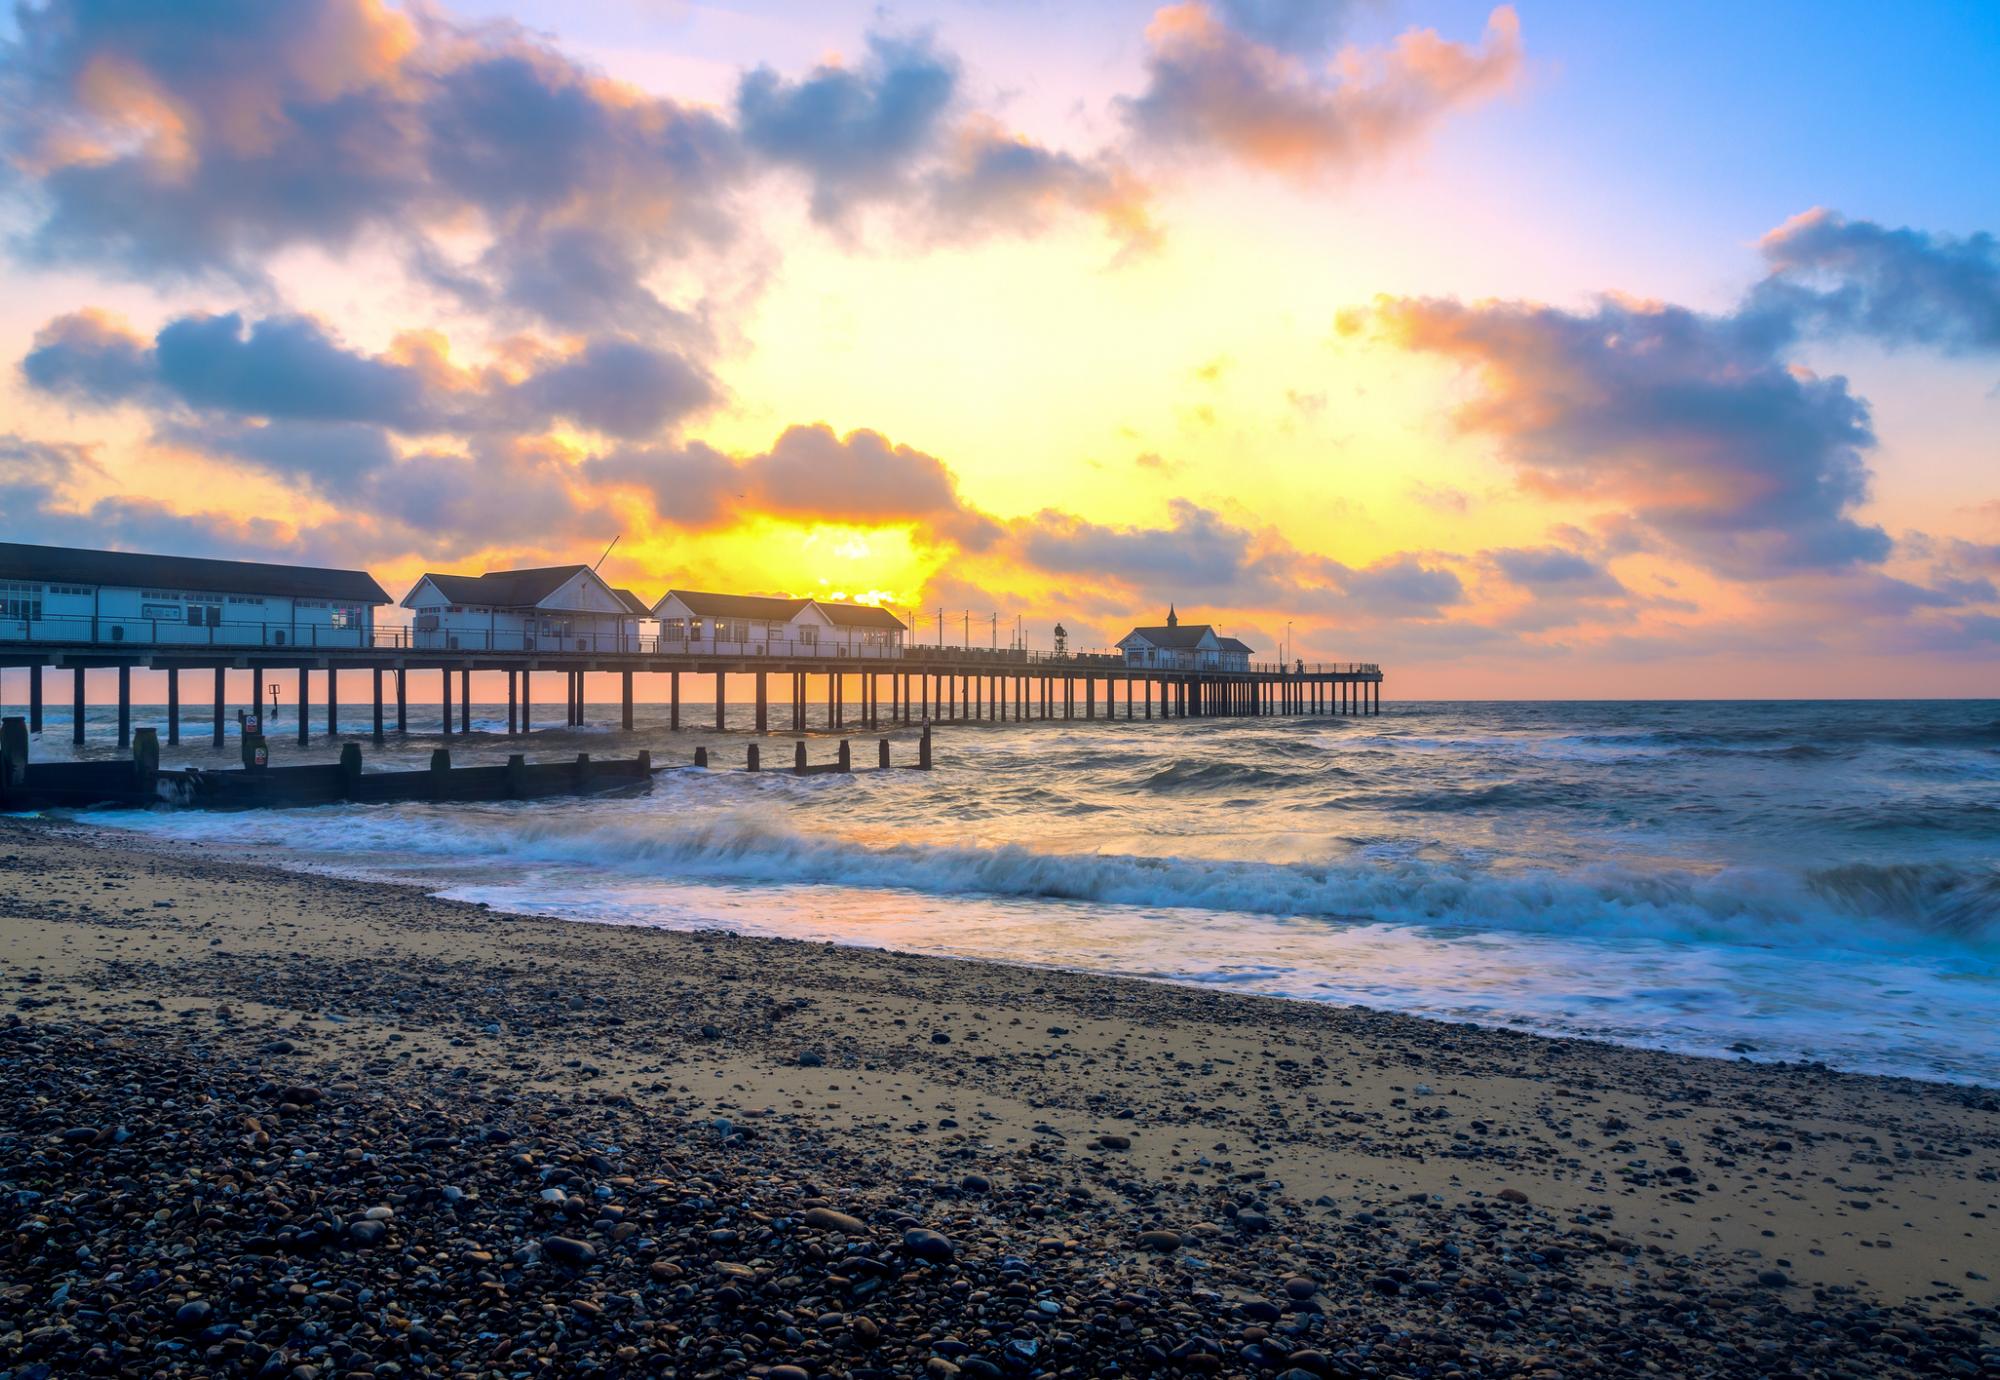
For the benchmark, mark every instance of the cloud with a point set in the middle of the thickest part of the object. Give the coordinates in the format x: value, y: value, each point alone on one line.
x: 293, y: 369
x: 1293, y: 26
x: 1200, y: 551
x: 1836, y: 276
x: 1695, y: 424
x: 809, y: 474
x: 208, y: 138
x: 992, y: 180
x: 1229, y: 79
x: 1556, y: 571
x: 855, y: 132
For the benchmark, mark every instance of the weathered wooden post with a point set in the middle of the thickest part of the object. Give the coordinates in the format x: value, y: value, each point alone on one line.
x: 720, y: 678
x: 625, y: 701
x: 763, y: 700
x: 13, y: 752
x: 517, y: 776
x: 402, y: 702
x: 464, y: 699
x: 799, y: 758
x: 924, y: 750
x: 124, y: 706
x: 173, y: 704
x: 513, y: 705
x: 332, y: 700
x: 377, y: 678
x: 35, y: 698
x: 350, y: 769
x: 76, y: 712
x: 701, y: 757
x: 882, y: 757
x: 582, y: 768
x: 444, y: 695
x: 146, y: 760
x: 755, y: 759
x: 846, y: 756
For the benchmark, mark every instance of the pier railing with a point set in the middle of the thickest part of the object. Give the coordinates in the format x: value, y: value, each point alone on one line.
x: 119, y: 632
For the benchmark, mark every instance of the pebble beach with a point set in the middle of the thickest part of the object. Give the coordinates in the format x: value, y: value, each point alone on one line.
x: 262, y: 1122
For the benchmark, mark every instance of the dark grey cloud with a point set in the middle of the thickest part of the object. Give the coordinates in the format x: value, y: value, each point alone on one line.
x: 199, y: 139
x: 1556, y: 570
x: 992, y: 182
x: 292, y: 369
x: 855, y: 132
x: 1305, y: 27
x: 1832, y: 275
x: 1696, y: 425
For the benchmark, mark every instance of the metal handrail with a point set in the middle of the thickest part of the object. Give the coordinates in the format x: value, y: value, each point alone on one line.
x: 113, y: 631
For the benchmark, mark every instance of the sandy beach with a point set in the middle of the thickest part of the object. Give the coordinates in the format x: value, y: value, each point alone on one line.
x: 260, y: 1122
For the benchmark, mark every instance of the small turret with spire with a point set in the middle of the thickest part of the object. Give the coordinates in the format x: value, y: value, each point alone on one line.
x: 1173, y: 619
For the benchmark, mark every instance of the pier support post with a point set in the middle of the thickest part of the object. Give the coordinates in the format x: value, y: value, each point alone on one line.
x: 35, y: 699
x: 674, y: 701
x: 721, y: 678
x: 76, y: 711
x: 444, y: 696
x: 220, y: 706
x: 625, y: 700
x: 124, y: 706
x: 378, y: 735
x: 173, y: 705
x: 257, y: 692
x: 464, y: 700
x: 402, y: 702
x: 763, y: 701
x: 305, y: 705
x: 332, y: 701
x: 513, y: 704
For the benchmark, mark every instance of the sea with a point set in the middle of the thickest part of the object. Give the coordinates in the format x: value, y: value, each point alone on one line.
x: 1799, y: 881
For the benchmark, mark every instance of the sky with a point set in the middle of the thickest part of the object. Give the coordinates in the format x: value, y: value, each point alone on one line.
x: 1543, y: 349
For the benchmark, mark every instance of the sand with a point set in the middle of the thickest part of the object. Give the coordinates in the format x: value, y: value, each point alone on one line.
x: 1796, y: 1187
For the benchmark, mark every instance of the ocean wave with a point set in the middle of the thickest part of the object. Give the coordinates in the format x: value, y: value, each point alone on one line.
x: 1859, y: 906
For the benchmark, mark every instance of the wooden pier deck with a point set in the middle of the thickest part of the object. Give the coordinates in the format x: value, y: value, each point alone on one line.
x: 920, y: 685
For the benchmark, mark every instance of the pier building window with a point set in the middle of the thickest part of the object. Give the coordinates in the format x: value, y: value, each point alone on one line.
x: 20, y: 601
x: 732, y: 630
x: 808, y: 635
x: 344, y: 616
x: 674, y: 629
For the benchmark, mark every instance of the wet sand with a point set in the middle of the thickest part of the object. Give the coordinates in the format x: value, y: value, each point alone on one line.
x: 1127, y: 1177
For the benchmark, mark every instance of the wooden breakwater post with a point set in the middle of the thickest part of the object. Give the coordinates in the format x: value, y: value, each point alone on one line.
x: 846, y: 756
x: 701, y: 758
x: 882, y: 757
x: 755, y: 760
x: 13, y: 752
x: 924, y: 750
x: 139, y: 781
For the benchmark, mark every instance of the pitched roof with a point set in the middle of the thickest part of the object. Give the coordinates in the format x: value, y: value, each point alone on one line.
x: 1230, y: 644
x: 858, y: 615
x: 1185, y: 638
x: 68, y: 565
x: 764, y: 606
x: 633, y: 603
x: 507, y: 589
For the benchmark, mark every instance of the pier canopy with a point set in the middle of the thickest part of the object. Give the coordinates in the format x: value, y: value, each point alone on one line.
x: 60, y: 594
x: 557, y: 608
x: 705, y: 622
x: 1174, y: 646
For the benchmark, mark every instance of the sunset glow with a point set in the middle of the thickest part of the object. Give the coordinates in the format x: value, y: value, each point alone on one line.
x: 1306, y: 315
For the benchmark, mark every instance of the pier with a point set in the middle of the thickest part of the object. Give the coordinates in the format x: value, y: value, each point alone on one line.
x: 915, y: 685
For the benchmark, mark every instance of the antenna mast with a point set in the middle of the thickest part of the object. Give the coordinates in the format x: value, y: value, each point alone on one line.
x: 607, y: 551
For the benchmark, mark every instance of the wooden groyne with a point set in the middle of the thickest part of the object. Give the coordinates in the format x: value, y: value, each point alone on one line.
x: 140, y: 783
